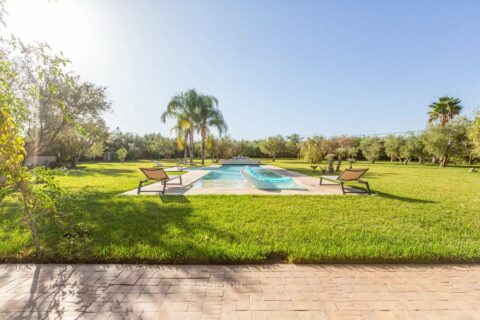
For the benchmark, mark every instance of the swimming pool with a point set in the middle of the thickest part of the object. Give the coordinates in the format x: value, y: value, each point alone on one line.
x: 230, y: 177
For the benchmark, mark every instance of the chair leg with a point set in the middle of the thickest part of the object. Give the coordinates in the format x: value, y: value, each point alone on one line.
x: 164, y: 186
x: 343, y: 187
x: 368, y: 188
x: 140, y: 185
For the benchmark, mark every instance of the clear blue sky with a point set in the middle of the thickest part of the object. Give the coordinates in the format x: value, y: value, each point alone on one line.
x: 310, y: 67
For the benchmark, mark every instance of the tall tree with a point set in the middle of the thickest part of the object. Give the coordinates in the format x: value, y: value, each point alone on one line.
x: 209, y: 115
x: 52, y: 111
x: 184, y: 106
x: 444, y: 110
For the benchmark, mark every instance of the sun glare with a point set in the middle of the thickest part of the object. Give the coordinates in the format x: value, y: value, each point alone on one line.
x: 62, y: 24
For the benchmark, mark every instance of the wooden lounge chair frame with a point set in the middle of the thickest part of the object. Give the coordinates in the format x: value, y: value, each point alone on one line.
x: 157, y: 174
x: 157, y: 164
x: 183, y: 162
x: 348, y: 175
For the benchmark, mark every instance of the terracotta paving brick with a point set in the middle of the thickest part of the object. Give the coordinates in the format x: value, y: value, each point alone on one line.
x: 239, y: 292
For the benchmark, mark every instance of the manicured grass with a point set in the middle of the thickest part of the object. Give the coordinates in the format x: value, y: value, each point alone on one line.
x: 418, y: 214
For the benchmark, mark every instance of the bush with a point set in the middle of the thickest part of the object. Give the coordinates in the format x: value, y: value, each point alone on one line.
x: 122, y: 154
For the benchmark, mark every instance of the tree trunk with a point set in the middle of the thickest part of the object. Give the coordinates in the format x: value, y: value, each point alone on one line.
x: 33, y: 231
x: 444, y: 161
x: 191, y: 145
x: 420, y: 160
x: 73, y: 162
x: 30, y: 217
x: 339, y: 163
x: 273, y: 156
x: 204, y: 133
x: 330, y: 167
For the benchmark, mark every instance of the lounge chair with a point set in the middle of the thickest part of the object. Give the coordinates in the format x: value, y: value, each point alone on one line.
x: 157, y: 164
x: 157, y: 174
x: 183, y: 162
x: 348, y: 175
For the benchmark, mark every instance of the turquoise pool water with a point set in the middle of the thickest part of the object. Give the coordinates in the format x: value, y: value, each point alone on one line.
x: 227, y: 176
x: 230, y: 177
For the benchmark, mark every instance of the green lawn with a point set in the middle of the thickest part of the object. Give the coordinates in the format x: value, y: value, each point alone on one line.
x: 418, y: 214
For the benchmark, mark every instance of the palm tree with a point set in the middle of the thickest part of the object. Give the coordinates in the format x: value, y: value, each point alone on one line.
x: 183, y: 107
x: 209, y: 116
x: 444, y: 110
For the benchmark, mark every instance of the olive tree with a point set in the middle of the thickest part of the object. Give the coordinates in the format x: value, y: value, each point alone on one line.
x: 371, y: 148
x: 311, y: 149
x: 393, y: 146
x: 35, y: 191
x: 414, y: 147
x: 448, y: 140
x: 74, y: 141
x: 54, y: 101
x: 273, y: 146
x: 474, y: 135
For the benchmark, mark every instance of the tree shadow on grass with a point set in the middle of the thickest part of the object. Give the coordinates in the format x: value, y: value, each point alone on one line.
x: 79, y: 172
x: 376, y: 175
x: 173, y: 199
x: 140, y: 230
x: 400, y: 198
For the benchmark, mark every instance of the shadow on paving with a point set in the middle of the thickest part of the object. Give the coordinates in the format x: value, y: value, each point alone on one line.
x: 62, y: 291
x: 113, y: 291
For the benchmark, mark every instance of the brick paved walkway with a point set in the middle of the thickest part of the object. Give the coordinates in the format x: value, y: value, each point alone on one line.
x: 239, y: 292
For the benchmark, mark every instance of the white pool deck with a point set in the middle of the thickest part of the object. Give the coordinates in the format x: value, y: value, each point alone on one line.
x: 310, y: 183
